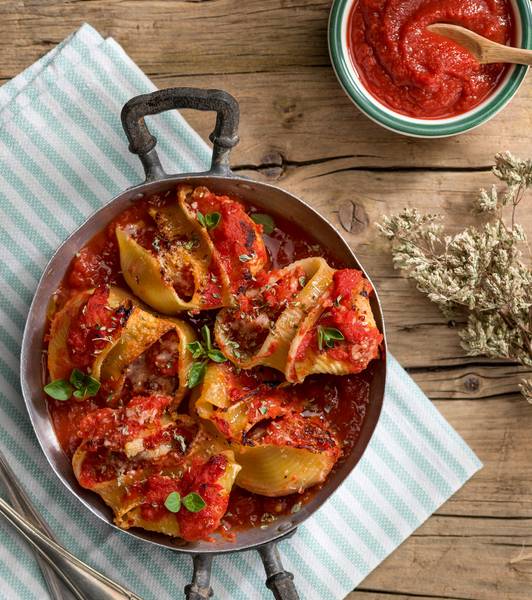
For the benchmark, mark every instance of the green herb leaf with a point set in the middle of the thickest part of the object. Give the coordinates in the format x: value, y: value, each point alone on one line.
x: 196, y: 373
x: 77, y: 378
x: 328, y: 335
x: 173, y: 502
x: 268, y: 224
x: 59, y: 389
x: 90, y: 387
x: 206, y: 335
x: 201, y: 218
x: 263, y: 409
x: 194, y: 502
x: 302, y: 281
x: 196, y: 349
x: 246, y: 257
x: 212, y: 219
x: 216, y: 356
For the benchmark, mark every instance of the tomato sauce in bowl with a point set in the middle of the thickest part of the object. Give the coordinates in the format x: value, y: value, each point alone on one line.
x: 418, y: 73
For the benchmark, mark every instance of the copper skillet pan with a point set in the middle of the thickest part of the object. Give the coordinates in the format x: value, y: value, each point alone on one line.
x: 220, y: 179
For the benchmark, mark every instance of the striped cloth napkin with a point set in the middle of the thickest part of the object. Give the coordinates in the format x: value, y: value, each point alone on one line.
x: 62, y: 155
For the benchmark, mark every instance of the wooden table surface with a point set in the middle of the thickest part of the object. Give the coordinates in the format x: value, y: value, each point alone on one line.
x: 300, y: 131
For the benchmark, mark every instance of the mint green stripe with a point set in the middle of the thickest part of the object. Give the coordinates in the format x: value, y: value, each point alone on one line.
x: 16, y: 284
x: 95, y: 168
x: 14, y: 548
x: 37, y: 206
x: 60, y: 164
x: 390, y: 494
x: 10, y: 242
x: 17, y: 318
x: 376, y: 512
x: 360, y: 529
x: 423, y: 430
x: 343, y: 543
x: 415, y: 488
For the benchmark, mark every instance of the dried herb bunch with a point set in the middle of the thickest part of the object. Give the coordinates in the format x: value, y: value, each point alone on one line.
x: 479, y: 272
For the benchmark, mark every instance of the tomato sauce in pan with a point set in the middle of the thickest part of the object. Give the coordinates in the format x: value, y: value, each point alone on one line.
x: 344, y: 399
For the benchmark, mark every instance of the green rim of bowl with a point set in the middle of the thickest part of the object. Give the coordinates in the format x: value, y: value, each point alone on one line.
x: 352, y: 86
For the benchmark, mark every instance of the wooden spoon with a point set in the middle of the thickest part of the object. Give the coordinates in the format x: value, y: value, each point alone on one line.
x: 484, y: 50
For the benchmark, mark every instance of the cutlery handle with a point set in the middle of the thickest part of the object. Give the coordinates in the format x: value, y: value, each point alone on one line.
x: 92, y: 583
x: 18, y: 498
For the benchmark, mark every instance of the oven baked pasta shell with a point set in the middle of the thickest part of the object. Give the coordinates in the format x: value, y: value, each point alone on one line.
x: 60, y: 364
x: 273, y: 351
x: 306, y: 359
x: 298, y: 455
x: 142, y: 330
x: 120, y: 449
x: 152, y: 277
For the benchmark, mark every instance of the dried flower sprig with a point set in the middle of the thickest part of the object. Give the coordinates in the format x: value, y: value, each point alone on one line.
x: 478, y: 272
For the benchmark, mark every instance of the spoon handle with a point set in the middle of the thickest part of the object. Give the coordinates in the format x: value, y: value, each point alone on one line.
x: 92, y: 583
x: 497, y: 53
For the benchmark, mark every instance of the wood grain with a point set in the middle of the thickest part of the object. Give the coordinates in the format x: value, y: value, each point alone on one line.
x: 301, y: 132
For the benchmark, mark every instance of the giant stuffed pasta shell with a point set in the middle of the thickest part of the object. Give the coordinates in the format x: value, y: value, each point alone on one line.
x: 281, y: 449
x: 260, y: 330
x: 339, y: 335
x: 127, y: 348
x: 193, y: 262
x: 135, y: 456
x: 86, y: 328
x: 236, y: 239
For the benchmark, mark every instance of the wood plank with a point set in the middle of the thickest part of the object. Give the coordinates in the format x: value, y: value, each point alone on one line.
x: 291, y: 102
x: 303, y: 115
x: 457, y: 568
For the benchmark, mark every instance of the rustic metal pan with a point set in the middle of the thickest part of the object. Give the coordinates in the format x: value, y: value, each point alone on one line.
x: 220, y: 179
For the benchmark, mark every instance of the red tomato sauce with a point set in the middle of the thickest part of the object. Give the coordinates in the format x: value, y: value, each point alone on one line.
x: 419, y: 73
x: 342, y: 399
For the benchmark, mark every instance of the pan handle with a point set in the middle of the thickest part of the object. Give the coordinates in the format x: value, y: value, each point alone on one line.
x: 200, y: 588
x: 279, y: 581
x: 141, y: 142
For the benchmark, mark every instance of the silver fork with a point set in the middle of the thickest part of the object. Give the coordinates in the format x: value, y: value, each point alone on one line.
x: 83, y: 581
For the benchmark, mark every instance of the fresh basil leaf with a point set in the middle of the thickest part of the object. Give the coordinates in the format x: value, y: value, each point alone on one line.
x: 194, y: 502
x: 195, y: 374
x: 212, y: 219
x: 173, y: 502
x: 333, y: 334
x: 92, y: 385
x: 328, y: 335
x: 263, y: 409
x: 206, y: 335
x: 196, y: 349
x: 302, y: 281
x: 268, y: 224
x: 216, y: 356
x: 246, y: 257
x: 77, y: 378
x: 201, y: 218
x: 59, y: 389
